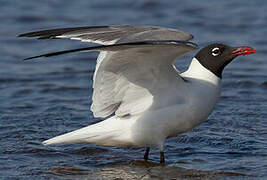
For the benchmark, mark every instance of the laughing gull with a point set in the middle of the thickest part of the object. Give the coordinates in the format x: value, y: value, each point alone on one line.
x: 137, y: 83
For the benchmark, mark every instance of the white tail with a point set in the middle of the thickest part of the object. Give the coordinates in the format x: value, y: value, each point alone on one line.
x: 109, y: 132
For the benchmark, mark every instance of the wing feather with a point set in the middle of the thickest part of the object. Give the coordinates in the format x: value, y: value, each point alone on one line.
x: 110, y: 34
x: 128, y: 79
x: 134, y: 65
x: 128, y: 75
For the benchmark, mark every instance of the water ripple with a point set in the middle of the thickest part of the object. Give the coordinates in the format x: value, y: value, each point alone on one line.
x: 41, y: 99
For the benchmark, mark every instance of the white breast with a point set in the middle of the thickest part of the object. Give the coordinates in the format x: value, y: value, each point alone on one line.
x: 200, y: 95
x: 204, y: 91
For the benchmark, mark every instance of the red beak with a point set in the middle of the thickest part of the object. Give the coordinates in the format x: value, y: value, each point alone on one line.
x: 243, y: 50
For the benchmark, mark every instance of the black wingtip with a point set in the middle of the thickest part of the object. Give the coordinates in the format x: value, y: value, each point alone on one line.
x: 52, y: 33
x: 23, y: 35
x: 44, y: 55
x: 29, y: 58
x: 62, y: 52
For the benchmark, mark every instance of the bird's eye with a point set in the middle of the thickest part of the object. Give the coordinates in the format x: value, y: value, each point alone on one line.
x: 216, y: 51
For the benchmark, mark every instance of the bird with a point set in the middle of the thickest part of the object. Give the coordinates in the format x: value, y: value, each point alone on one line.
x: 138, y: 89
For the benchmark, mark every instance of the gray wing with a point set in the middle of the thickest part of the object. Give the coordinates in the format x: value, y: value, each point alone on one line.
x: 111, y: 34
x: 127, y: 81
x: 132, y: 74
x: 135, y: 63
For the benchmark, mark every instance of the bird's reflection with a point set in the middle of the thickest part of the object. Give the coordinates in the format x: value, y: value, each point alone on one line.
x: 137, y: 170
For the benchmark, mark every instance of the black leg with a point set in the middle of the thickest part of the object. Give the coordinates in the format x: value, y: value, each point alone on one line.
x: 146, y: 154
x: 162, y: 159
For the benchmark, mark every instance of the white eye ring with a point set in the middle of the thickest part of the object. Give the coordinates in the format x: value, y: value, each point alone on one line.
x: 215, y: 51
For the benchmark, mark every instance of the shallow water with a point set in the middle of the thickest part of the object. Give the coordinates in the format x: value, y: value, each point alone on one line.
x: 47, y: 97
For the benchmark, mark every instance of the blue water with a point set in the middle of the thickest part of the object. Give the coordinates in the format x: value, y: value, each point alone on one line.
x: 47, y: 97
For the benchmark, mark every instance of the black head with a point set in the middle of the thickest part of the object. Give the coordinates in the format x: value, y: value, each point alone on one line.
x: 215, y: 57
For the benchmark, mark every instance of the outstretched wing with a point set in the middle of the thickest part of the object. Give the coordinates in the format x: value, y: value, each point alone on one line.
x: 128, y: 80
x: 110, y: 34
x: 132, y: 68
x: 132, y: 74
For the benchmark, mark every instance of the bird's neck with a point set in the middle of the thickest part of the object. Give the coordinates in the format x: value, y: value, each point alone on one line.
x: 197, y: 71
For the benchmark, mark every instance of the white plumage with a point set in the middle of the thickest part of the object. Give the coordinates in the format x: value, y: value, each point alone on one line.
x: 139, y: 83
x: 136, y: 82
